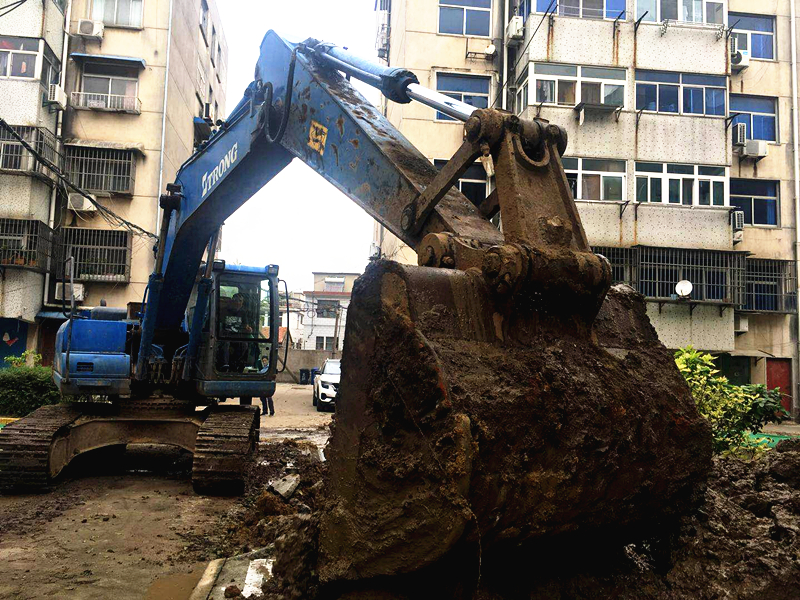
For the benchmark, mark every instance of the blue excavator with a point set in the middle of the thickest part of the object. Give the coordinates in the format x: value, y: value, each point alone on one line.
x: 500, y: 391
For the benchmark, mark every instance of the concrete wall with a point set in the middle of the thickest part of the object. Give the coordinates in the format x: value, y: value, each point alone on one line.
x: 302, y: 359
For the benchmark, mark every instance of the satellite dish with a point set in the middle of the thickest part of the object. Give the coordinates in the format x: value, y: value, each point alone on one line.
x: 684, y: 288
x: 491, y: 50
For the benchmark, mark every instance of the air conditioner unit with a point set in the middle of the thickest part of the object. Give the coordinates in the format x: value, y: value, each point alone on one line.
x: 739, y: 134
x: 90, y: 29
x: 755, y: 149
x: 515, y: 30
x: 740, y: 59
x: 77, y: 291
x: 737, y: 220
x: 79, y: 203
x: 56, y: 95
x: 741, y: 323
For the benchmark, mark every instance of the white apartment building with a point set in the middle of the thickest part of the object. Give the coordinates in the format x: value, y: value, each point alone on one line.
x: 682, y: 152
x: 326, y: 314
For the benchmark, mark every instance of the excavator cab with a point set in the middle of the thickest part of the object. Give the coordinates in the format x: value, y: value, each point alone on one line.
x: 239, y: 337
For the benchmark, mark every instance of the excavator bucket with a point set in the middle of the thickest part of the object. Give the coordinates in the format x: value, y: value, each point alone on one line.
x: 467, y: 423
x: 513, y: 402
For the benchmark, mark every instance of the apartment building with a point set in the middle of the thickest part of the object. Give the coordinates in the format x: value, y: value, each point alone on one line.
x: 31, y: 55
x: 144, y: 82
x: 327, y: 311
x: 682, y: 153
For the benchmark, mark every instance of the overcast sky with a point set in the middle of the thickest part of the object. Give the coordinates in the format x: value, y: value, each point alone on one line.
x: 298, y: 221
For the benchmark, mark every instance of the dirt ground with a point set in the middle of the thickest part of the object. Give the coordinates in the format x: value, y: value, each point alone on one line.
x: 127, y: 530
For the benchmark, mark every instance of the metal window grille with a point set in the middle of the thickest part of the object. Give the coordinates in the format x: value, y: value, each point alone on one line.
x: 326, y: 309
x: 622, y: 263
x: 100, y: 254
x: 101, y: 169
x: 771, y: 285
x: 717, y: 277
x: 25, y: 244
x: 14, y: 157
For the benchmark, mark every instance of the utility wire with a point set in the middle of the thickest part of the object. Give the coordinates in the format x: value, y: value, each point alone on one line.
x: 8, y: 8
x: 522, y: 54
x: 107, y: 213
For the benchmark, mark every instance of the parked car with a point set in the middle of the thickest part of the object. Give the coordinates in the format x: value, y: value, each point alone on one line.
x: 326, y: 384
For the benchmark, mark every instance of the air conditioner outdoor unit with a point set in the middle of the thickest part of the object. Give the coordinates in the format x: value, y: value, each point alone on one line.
x: 741, y: 323
x: 90, y: 29
x: 56, y: 95
x: 755, y: 149
x: 77, y: 291
x: 740, y: 59
x: 515, y: 30
x: 739, y: 134
x: 738, y: 220
x: 79, y: 203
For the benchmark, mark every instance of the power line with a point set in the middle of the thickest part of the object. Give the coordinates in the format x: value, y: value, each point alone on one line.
x: 522, y: 54
x: 110, y: 216
x: 9, y: 8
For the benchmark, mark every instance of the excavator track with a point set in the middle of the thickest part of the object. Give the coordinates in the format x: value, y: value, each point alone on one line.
x: 25, y: 448
x: 225, y: 445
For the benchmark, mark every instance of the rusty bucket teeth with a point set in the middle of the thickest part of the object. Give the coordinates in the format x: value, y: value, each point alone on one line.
x: 464, y: 417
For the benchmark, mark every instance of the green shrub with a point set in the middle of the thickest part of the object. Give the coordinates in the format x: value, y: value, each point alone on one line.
x: 733, y: 411
x: 25, y: 388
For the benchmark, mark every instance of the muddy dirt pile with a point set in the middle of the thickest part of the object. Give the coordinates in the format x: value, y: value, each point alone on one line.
x: 742, y: 543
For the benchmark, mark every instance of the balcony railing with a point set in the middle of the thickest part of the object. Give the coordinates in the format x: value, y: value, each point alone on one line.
x: 102, y: 255
x: 15, y: 158
x: 25, y: 244
x: 717, y: 277
x: 106, y: 102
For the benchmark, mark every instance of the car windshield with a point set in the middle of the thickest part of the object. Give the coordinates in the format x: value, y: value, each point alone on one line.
x: 332, y: 368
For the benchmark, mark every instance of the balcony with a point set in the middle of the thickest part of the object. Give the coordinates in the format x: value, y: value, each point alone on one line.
x: 106, y: 102
x: 104, y: 170
x: 771, y: 286
x: 101, y: 255
x: 25, y: 244
x: 14, y: 158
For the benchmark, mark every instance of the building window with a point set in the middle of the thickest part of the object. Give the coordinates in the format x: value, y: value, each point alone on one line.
x: 690, y: 185
x: 121, y: 13
x: 759, y: 114
x: 687, y: 93
x: 51, y: 69
x: 757, y: 199
x: 473, y: 183
x: 213, y: 46
x: 14, y: 157
x: 204, y: 20
x: 771, y: 285
x: 568, y: 85
x: 588, y: 9
x: 100, y: 254
x: 334, y: 284
x: 320, y: 342
x: 595, y: 179
x: 201, y: 74
x: 465, y: 17
x: 327, y: 309
x: 687, y: 11
x: 470, y: 89
x: 18, y: 57
x: 755, y: 33
x: 108, y: 86
x: 101, y: 169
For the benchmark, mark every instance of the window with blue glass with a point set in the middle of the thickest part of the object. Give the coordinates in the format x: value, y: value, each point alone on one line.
x: 470, y: 89
x: 754, y: 34
x: 465, y: 17
x: 687, y: 93
x: 588, y: 9
x: 686, y: 11
x: 759, y: 114
x: 757, y: 199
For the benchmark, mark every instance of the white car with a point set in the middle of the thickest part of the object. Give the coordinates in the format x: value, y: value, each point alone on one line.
x: 326, y: 384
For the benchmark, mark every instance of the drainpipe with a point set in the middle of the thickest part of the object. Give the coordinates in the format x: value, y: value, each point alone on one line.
x: 504, y: 67
x: 796, y: 169
x: 164, y: 118
x: 51, y: 218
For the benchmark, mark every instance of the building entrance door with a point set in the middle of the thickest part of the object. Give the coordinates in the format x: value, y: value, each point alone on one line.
x: 779, y: 375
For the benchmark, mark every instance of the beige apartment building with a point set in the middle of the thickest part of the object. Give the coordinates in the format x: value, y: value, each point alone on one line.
x: 682, y: 151
x: 137, y: 84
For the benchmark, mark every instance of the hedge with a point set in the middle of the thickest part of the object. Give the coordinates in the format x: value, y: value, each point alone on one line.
x: 24, y: 389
